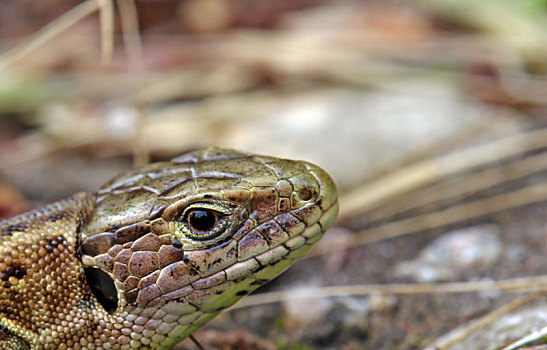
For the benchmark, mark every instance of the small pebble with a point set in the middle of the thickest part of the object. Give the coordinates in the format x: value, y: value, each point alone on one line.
x: 447, y: 257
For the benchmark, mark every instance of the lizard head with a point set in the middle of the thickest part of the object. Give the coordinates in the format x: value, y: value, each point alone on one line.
x: 169, y: 245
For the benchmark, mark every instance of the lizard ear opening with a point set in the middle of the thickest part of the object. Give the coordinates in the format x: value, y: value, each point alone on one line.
x: 103, y: 288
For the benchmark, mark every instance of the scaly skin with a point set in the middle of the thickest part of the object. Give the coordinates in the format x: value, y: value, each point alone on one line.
x: 181, y: 240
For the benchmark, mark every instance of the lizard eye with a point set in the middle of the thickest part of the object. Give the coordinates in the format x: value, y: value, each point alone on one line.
x: 201, y: 220
x: 204, y: 222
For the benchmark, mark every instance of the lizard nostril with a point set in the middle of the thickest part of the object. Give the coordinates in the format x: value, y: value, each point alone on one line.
x: 103, y: 288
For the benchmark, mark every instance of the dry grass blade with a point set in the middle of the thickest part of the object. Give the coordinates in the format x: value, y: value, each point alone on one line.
x: 470, y: 210
x: 48, y: 32
x: 461, y: 333
x: 511, y: 285
x: 131, y: 35
x: 133, y: 49
x: 451, y: 190
x: 107, y: 30
x: 475, y: 209
x: 534, y: 336
x: 421, y: 174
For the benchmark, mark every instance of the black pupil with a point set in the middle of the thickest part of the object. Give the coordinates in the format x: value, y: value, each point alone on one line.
x: 202, y: 220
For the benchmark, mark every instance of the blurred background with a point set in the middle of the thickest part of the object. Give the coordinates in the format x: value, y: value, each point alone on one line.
x: 429, y: 115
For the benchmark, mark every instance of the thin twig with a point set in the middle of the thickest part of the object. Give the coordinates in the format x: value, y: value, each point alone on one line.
x: 48, y: 32
x: 518, y: 198
x: 131, y: 34
x: 534, y: 336
x: 196, y: 342
x: 107, y: 30
x: 464, y: 186
x: 459, y: 334
x: 538, y: 283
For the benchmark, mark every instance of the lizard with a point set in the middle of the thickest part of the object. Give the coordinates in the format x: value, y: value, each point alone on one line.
x: 156, y: 252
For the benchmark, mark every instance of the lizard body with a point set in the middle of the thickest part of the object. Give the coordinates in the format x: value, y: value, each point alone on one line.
x: 156, y: 252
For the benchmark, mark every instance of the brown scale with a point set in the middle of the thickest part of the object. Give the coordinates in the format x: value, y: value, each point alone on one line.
x: 37, y: 267
x: 124, y: 267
